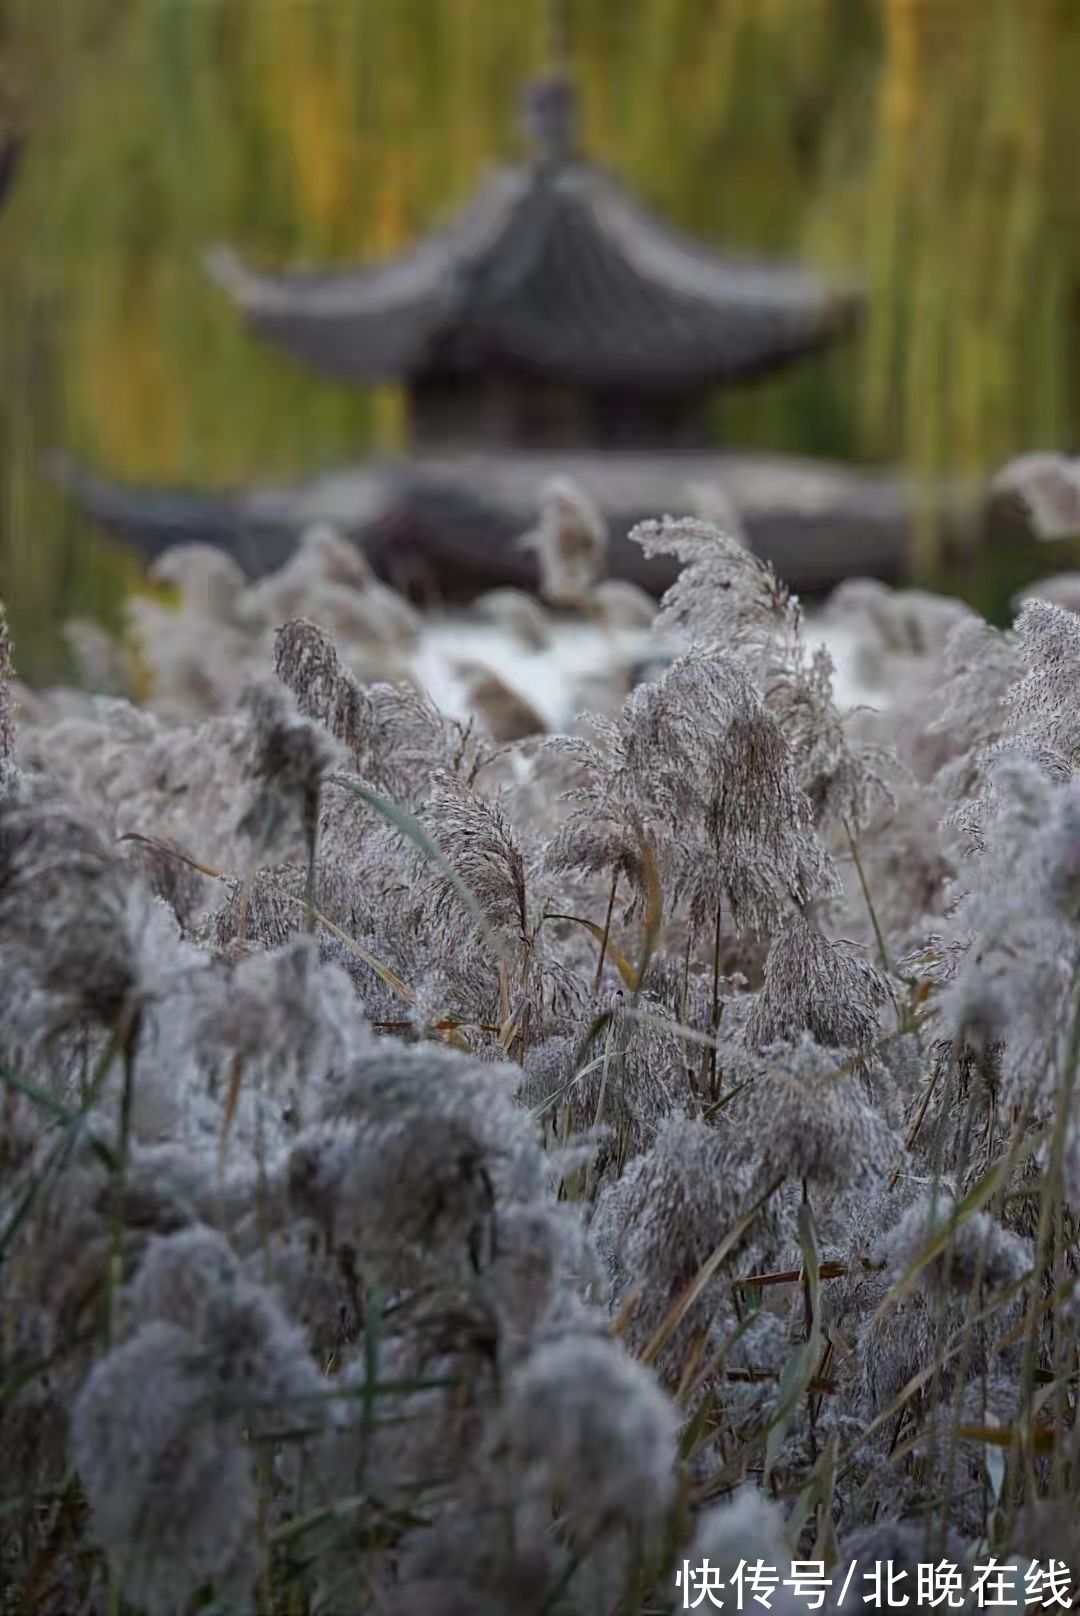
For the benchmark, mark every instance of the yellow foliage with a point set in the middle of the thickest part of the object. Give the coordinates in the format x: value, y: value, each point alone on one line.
x: 921, y: 144
x: 125, y: 387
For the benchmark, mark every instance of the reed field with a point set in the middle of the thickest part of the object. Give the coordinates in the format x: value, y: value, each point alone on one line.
x: 566, y: 1108
x: 452, y: 1165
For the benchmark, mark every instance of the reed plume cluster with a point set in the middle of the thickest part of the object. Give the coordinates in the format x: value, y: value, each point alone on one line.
x: 447, y: 1175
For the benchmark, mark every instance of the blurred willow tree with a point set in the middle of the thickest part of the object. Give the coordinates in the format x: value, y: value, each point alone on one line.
x: 923, y: 144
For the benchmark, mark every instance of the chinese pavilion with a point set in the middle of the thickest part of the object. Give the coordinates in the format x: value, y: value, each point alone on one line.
x: 553, y: 327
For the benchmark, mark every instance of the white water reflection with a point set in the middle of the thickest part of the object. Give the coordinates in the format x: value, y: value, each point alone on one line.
x: 557, y: 680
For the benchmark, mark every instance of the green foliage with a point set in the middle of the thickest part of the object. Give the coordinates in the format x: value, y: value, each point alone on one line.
x: 920, y: 146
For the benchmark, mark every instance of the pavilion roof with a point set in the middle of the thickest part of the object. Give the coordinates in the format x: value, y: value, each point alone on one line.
x: 552, y: 270
x: 462, y: 514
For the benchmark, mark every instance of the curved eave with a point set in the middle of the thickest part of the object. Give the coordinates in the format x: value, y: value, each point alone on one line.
x: 461, y: 517
x: 258, y: 527
x: 340, y: 329
x: 684, y: 348
x: 557, y: 275
x: 644, y: 353
x: 600, y: 293
x: 135, y: 508
x: 375, y: 323
x: 151, y: 518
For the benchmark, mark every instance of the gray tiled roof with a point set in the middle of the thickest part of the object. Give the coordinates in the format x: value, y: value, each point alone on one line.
x: 553, y: 270
x: 457, y: 517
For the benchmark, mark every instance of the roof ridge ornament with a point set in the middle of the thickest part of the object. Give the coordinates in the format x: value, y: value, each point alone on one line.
x: 549, y: 118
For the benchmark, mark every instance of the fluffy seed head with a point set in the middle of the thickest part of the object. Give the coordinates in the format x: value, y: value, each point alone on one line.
x: 591, y: 1423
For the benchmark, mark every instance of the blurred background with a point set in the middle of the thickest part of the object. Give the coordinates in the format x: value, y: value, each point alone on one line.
x: 926, y: 146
